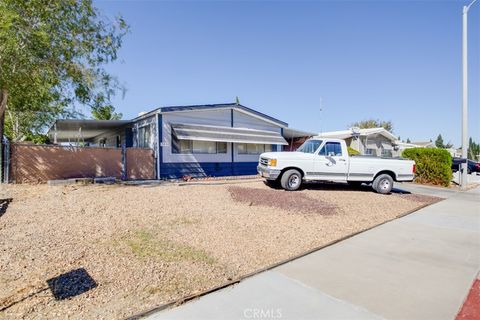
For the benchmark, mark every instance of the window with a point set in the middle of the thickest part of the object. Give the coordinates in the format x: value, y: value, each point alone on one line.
x: 221, y: 147
x: 253, y: 148
x: 310, y: 146
x: 144, y: 136
x: 387, y: 153
x: 197, y: 147
x: 370, y: 152
x: 204, y: 147
x: 332, y: 149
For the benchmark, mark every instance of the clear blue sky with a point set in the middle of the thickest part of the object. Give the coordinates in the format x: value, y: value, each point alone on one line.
x: 393, y: 60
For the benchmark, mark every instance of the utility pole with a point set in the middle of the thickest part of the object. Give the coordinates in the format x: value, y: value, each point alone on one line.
x: 465, y: 95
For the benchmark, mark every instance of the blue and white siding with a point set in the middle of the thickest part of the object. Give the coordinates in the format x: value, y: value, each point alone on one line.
x: 247, y: 163
x: 173, y: 165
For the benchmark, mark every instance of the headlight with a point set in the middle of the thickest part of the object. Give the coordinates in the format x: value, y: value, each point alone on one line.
x: 272, y: 162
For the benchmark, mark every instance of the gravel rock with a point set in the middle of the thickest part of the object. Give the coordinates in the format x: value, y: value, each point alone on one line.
x: 147, y: 246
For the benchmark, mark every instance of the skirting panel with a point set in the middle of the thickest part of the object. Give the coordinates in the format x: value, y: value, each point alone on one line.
x: 206, y: 169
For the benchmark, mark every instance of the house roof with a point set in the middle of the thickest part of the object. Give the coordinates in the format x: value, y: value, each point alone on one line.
x: 423, y: 143
x: 343, y: 134
x: 405, y: 144
x: 66, y: 129
x: 201, y: 107
x: 291, y: 133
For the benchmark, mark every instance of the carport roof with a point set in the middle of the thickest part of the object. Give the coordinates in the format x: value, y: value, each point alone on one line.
x: 66, y: 129
x: 290, y: 133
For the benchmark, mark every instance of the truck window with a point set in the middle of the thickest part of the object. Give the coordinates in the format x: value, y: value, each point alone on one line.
x: 332, y: 149
x: 310, y: 146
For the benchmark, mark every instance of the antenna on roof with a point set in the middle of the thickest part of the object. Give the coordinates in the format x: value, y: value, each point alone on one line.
x: 237, y: 100
x: 321, y: 109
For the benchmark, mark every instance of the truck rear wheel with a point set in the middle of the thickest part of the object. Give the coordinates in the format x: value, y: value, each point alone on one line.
x: 383, y: 184
x: 291, y: 180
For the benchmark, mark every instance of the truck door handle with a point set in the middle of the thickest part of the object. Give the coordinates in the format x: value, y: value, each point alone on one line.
x: 342, y: 160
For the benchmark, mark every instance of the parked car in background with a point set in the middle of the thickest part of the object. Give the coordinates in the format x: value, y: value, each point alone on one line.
x: 471, y: 167
x: 320, y: 159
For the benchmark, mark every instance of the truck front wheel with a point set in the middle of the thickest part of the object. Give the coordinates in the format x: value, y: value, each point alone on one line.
x: 383, y: 184
x: 291, y: 180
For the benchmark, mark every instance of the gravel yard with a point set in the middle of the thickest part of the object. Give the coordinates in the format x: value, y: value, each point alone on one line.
x: 142, y: 246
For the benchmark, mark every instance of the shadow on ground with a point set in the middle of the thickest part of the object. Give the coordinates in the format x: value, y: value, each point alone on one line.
x: 4, y: 205
x: 338, y: 186
x: 71, y: 284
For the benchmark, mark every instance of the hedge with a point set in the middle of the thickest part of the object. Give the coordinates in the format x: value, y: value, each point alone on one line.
x: 433, y: 165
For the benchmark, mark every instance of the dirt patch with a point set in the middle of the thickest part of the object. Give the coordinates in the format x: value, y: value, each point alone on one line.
x: 143, y: 247
x: 295, y: 202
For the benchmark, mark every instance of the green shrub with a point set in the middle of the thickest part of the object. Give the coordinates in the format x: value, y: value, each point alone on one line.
x: 433, y: 165
x: 352, y: 152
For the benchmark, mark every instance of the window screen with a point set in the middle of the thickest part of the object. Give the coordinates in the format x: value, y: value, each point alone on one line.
x: 252, y: 148
x: 197, y: 146
x: 144, y: 136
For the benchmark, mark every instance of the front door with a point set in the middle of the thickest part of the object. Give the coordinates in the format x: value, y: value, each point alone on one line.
x: 331, y: 163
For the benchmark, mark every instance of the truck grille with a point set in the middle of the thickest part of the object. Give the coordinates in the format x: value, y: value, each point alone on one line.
x: 263, y: 162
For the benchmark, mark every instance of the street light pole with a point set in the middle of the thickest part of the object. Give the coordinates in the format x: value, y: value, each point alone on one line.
x: 464, y: 170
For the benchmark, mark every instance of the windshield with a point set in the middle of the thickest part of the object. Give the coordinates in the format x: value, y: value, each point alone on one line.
x: 310, y: 146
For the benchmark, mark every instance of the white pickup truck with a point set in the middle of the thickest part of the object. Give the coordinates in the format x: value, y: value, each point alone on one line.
x: 320, y: 159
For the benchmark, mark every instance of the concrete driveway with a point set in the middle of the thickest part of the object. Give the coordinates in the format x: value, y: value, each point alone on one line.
x: 418, y: 267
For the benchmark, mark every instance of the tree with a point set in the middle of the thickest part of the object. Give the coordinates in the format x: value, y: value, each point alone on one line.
x: 105, y: 113
x: 473, y: 152
x: 373, y: 123
x: 439, y: 142
x: 52, y: 55
x: 408, y: 140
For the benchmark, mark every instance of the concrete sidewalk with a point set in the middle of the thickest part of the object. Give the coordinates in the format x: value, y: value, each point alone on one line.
x: 417, y: 267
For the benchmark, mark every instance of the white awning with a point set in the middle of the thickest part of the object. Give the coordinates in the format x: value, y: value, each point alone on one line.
x: 226, y: 134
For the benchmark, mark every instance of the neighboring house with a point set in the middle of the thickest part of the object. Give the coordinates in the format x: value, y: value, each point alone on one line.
x: 200, y: 140
x: 400, y: 146
x: 455, y: 153
x: 424, y: 144
x: 372, y: 141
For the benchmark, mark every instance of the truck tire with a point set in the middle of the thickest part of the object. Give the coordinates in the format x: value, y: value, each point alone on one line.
x: 291, y: 180
x: 383, y: 184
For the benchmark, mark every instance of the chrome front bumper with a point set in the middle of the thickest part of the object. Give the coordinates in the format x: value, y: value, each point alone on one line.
x: 268, y: 173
